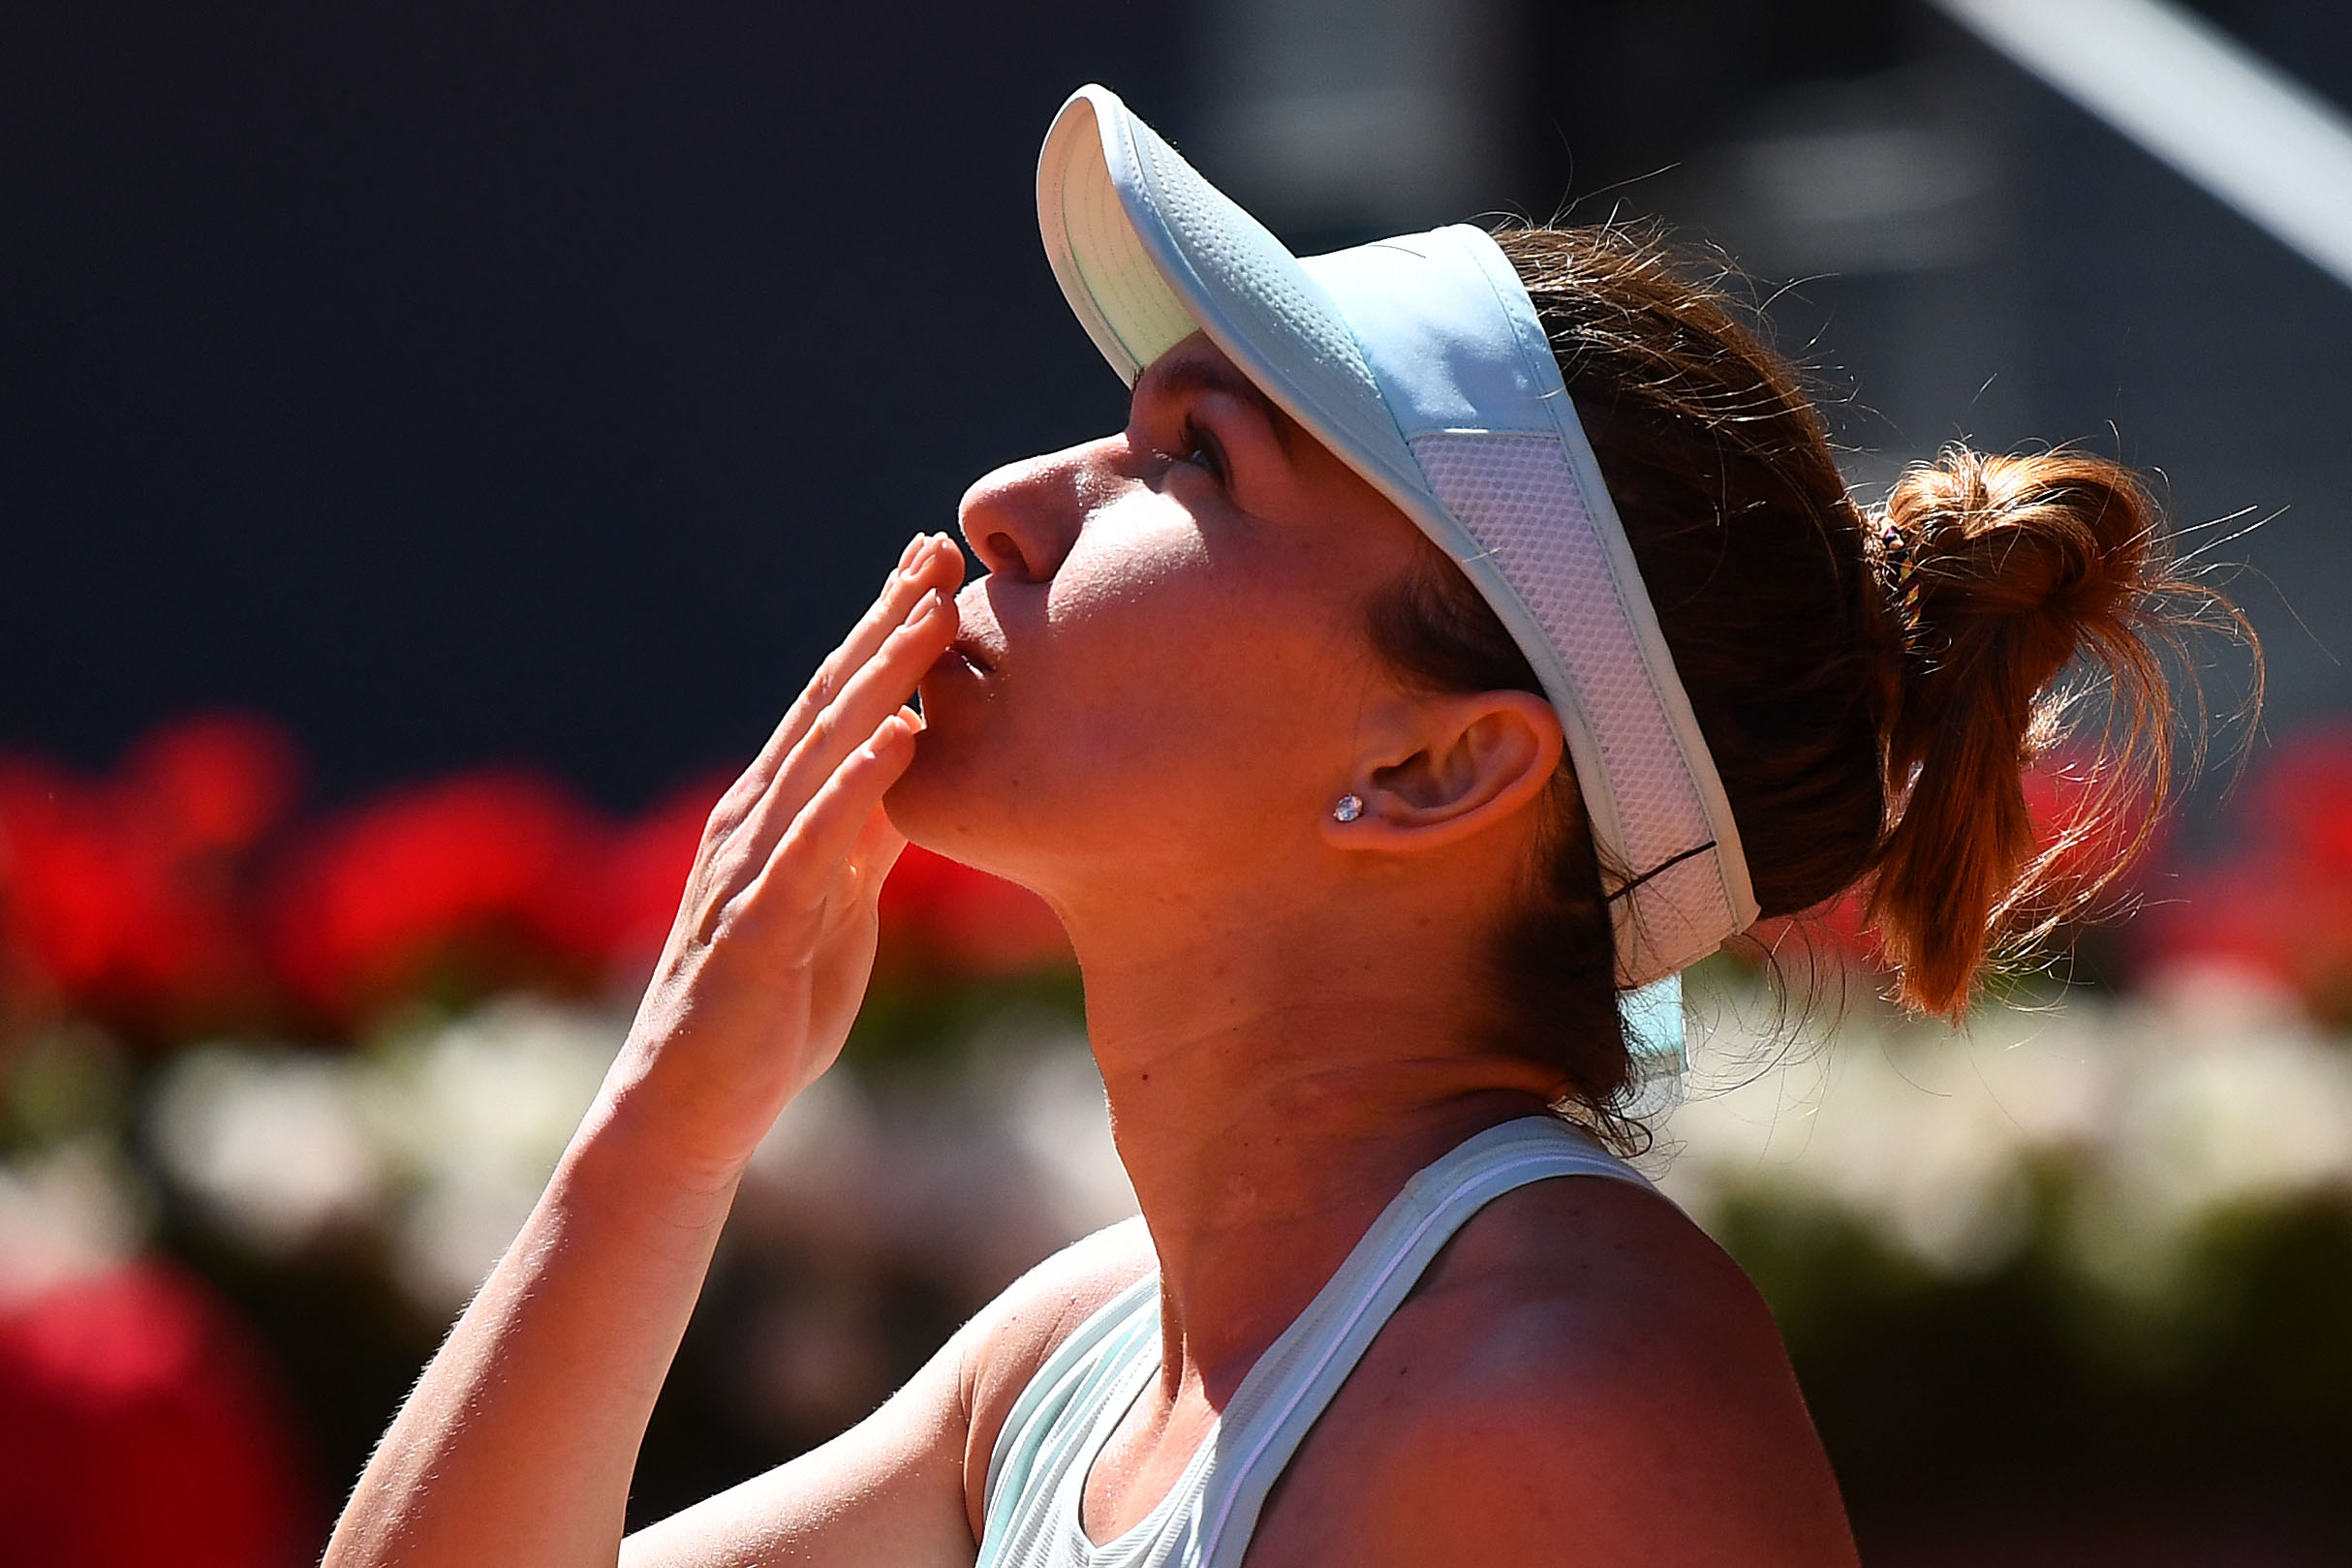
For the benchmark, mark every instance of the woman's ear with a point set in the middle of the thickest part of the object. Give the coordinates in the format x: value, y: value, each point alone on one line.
x: 1448, y: 767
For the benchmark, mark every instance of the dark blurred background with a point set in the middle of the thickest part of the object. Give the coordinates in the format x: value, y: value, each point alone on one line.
x: 521, y: 383
x: 497, y: 410
x: 547, y: 383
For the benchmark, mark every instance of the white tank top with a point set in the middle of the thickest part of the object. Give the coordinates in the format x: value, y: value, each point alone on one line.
x: 1036, y: 1475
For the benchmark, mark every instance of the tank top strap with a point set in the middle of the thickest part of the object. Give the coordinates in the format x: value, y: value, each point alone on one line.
x: 1286, y: 1391
x: 1049, y: 1425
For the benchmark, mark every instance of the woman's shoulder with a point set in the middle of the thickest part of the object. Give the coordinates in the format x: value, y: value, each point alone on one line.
x: 1597, y: 1256
x: 1015, y: 1335
x: 1585, y: 1292
x: 1582, y: 1363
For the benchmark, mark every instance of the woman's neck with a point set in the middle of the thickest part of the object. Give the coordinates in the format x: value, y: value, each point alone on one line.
x: 1274, y: 1081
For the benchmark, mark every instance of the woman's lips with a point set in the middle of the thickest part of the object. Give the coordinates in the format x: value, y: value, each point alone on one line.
x: 970, y: 658
x: 978, y: 640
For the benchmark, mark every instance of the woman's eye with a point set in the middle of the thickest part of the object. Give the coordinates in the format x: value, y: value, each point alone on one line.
x: 1199, y: 447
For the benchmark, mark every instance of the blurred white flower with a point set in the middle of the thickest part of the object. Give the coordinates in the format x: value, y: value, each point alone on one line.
x: 815, y: 1175
x: 2169, y: 1109
x: 442, y: 1139
x: 2250, y: 1105
x: 968, y: 1177
x: 2238, y: 1104
x: 447, y: 1238
x: 474, y: 1114
x: 66, y: 1213
x: 1913, y: 1144
x: 1061, y: 1122
x: 269, y: 1141
x: 2159, y: 1112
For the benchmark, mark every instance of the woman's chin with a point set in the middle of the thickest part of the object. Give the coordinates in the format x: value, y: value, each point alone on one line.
x: 914, y: 803
x: 934, y: 804
x: 949, y: 811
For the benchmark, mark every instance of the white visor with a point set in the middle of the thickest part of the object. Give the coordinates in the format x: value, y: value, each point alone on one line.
x: 1420, y: 362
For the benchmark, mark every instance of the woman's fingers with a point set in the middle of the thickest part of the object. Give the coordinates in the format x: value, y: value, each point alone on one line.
x: 878, y: 845
x: 839, y: 820
x: 931, y: 561
x: 919, y: 571
x: 874, y: 692
x: 879, y: 842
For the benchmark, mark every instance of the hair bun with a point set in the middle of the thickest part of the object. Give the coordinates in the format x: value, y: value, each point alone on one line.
x: 2017, y: 565
x: 2026, y: 554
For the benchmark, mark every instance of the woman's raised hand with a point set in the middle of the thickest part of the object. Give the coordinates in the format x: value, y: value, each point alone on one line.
x: 518, y: 1444
x: 768, y: 959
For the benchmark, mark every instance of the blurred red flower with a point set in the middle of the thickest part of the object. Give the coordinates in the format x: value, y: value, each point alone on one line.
x: 2061, y: 791
x: 222, y: 782
x: 944, y: 919
x: 449, y: 890
x: 2280, y: 903
x: 1830, y: 932
x: 139, y: 1425
x: 2091, y: 822
x: 645, y: 874
x: 127, y: 899
x: 174, y: 899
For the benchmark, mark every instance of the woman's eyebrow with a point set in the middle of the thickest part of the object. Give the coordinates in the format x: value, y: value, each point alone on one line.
x: 1207, y: 375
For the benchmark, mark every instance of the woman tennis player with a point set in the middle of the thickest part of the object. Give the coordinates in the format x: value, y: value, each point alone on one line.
x: 1463, y: 632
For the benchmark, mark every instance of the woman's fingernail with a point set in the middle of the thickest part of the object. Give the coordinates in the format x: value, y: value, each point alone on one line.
x: 914, y: 548
x: 927, y: 606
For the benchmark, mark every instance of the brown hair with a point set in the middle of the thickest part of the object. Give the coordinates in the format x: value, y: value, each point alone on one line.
x: 1871, y: 685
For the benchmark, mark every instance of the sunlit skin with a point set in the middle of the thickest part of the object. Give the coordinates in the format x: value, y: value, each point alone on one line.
x: 1144, y: 709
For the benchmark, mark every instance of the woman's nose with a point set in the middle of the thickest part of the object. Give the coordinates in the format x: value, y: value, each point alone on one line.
x: 1022, y: 519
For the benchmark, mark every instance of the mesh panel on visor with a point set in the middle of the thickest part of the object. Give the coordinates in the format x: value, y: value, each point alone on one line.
x: 1519, y: 501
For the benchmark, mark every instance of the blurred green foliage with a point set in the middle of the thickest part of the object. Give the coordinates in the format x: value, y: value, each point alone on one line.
x: 2041, y: 1388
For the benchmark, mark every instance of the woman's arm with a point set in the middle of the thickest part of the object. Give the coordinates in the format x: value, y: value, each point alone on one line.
x: 873, y: 1494
x: 517, y: 1445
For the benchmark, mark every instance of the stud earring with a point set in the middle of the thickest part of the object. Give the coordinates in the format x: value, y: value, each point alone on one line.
x: 1349, y: 808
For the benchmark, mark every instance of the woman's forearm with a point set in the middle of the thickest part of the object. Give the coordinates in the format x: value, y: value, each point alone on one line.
x: 517, y: 1445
